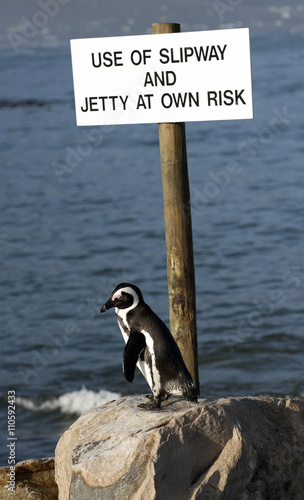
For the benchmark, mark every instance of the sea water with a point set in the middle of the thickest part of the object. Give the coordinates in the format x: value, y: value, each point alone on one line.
x: 82, y: 210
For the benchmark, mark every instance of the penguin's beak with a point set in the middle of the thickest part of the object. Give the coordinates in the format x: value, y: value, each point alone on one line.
x: 106, y: 306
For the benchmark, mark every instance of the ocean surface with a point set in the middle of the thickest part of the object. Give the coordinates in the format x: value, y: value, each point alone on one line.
x: 82, y: 210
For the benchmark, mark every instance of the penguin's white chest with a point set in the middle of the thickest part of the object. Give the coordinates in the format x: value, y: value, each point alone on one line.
x: 123, y: 316
x: 150, y: 373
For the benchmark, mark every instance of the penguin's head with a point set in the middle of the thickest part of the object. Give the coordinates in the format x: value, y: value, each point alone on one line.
x: 124, y: 296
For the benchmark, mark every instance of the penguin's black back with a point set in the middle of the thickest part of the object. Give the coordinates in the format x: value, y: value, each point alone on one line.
x: 169, y: 361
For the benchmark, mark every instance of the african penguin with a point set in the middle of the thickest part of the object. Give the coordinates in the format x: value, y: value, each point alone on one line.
x: 149, y: 346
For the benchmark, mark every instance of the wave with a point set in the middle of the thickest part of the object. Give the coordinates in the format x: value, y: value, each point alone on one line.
x: 76, y: 402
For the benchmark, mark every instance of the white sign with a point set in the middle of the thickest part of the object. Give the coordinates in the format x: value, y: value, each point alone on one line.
x: 176, y: 77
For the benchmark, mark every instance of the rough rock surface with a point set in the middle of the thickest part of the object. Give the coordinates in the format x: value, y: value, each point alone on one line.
x: 230, y: 449
x: 34, y: 480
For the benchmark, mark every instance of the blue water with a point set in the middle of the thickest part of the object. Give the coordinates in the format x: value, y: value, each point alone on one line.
x: 81, y: 211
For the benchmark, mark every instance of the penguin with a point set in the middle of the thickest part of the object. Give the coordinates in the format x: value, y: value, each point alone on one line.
x: 150, y: 346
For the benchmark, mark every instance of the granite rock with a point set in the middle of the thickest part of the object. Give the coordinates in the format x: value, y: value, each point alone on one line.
x: 32, y: 480
x: 243, y: 448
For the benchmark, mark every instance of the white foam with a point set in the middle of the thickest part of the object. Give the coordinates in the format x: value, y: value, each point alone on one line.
x: 72, y: 402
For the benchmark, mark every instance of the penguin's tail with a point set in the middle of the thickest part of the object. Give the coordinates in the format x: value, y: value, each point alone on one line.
x: 192, y: 398
x: 191, y: 393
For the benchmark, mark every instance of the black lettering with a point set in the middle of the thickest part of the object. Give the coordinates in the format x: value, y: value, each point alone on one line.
x: 238, y: 95
x: 164, y: 54
x: 168, y: 98
x: 161, y: 78
x: 222, y: 50
x: 176, y: 60
x: 213, y: 53
x: 85, y: 109
x: 103, y: 98
x: 93, y: 102
x: 179, y: 99
x: 193, y: 99
x: 148, y: 96
x: 141, y: 101
x: 188, y: 53
x: 118, y: 58
x: 201, y: 53
x: 228, y: 97
x: 146, y: 55
x: 212, y: 96
x: 89, y: 104
x: 148, y: 80
x: 98, y: 64
x: 107, y: 61
x: 173, y: 81
x: 136, y: 57
x: 124, y: 101
x: 113, y: 97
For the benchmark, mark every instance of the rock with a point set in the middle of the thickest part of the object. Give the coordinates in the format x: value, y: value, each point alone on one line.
x: 230, y: 449
x: 34, y: 480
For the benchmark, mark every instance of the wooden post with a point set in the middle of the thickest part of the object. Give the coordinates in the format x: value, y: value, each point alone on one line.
x: 178, y: 228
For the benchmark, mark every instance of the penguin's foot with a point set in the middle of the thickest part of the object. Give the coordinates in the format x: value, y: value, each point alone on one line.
x: 163, y: 397
x: 150, y: 407
x: 192, y: 399
x: 155, y: 405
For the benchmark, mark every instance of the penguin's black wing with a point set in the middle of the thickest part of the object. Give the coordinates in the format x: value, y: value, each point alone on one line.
x: 134, y: 347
